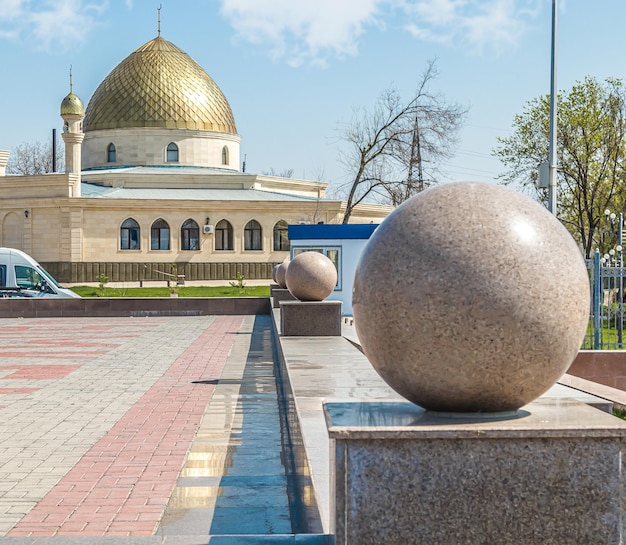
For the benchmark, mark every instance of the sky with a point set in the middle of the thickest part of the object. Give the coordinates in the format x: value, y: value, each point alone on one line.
x: 296, y: 71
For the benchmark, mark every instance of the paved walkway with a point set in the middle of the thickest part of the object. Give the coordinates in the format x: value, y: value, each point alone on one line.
x: 164, y: 428
x: 233, y: 481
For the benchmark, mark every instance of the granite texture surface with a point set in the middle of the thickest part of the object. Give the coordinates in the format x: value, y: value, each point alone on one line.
x: 310, y: 318
x: 318, y: 369
x: 281, y: 294
x: 471, y: 297
x: 553, y: 475
x: 280, y: 273
x: 311, y: 276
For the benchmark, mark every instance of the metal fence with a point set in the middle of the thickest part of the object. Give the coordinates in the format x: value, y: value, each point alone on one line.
x: 606, y: 315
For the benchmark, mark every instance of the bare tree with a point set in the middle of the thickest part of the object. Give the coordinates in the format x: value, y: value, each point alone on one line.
x: 285, y: 173
x: 397, y: 149
x: 34, y: 158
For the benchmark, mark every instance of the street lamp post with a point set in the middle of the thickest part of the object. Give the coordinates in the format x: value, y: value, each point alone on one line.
x: 615, y: 258
x: 552, y: 193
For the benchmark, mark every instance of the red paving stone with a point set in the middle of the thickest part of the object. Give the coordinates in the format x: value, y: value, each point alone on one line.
x: 38, y: 372
x: 122, y: 485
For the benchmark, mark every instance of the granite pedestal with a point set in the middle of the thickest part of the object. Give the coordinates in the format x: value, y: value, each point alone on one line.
x: 550, y: 476
x: 310, y: 318
x: 281, y: 294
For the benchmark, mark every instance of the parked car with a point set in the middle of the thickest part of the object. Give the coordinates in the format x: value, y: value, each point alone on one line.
x: 22, y: 276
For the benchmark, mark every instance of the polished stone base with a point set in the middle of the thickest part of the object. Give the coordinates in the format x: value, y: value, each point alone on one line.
x: 310, y: 318
x: 280, y: 294
x: 551, y: 475
x: 273, y: 287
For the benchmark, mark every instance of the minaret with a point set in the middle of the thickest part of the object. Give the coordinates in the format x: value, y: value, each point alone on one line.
x: 4, y: 159
x: 73, y: 113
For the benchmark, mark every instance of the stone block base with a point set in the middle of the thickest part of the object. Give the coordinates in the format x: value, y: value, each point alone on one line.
x: 274, y: 287
x: 280, y: 294
x: 551, y: 476
x: 310, y: 318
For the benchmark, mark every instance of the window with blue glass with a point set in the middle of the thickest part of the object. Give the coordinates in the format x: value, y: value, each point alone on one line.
x: 253, y: 236
x: 129, y: 235
x: 190, y: 235
x: 281, y: 240
x: 160, y: 235
x: 172, y: 153
x: 111, y: 153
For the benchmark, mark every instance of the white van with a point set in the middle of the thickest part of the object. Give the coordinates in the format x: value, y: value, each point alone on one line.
x: 22, y: 276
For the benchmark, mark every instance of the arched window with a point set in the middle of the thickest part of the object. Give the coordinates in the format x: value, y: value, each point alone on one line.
x: 281, y: 240
x: 223, y: 235
x: 172, y: 153
x: 190, y: 235
x: 225, y: 155
x: 129, y: 235
x: 111, y: 153
x: 252, y: 236
x: 160, y: 235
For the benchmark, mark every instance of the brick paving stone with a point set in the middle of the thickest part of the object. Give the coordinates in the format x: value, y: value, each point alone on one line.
x: 129, y: 394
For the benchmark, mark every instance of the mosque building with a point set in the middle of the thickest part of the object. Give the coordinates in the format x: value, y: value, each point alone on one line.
x: 152, y: 178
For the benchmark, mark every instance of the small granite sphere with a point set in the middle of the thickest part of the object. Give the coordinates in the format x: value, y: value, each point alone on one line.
x: 274, y: 269
x: 311, y: 276
x: 281, y: 272
x: 471, y: 297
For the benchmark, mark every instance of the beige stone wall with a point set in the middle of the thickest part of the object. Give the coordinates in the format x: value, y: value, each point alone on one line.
x: 87, y: 230
x: 101, y: 229
x: 148, y: 147
x: 43, y: 216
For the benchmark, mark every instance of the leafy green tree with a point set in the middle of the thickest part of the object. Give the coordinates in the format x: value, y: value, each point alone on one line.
x: 591, y: 155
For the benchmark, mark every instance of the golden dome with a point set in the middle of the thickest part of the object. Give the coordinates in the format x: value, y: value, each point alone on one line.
x: 159, y: 85
x: 72, y: 105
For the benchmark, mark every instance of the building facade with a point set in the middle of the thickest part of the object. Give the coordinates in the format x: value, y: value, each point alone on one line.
x: 152, y: 179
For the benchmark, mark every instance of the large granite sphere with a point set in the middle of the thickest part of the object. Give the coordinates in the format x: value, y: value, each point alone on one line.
x: 311, y: 276
x: 281, y: 271
x: 471, y: 297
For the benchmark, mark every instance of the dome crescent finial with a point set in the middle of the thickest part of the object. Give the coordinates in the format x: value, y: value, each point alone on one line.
x: 159, y: 19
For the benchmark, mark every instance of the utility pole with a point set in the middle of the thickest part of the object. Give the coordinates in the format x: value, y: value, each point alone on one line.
x: 415, y: 159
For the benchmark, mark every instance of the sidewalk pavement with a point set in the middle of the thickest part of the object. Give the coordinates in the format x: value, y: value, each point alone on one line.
x: 124, y: 428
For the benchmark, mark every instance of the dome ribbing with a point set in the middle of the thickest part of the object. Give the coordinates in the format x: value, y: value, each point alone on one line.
x: 159, y: 85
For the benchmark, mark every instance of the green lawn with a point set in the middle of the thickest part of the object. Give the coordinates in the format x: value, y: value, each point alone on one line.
x: 609, y: 337
x: 183, y: 291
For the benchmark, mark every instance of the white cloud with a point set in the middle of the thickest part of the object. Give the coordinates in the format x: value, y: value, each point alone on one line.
x: 313, y: 31
x: 478, y: 26
x: 302, y: 31
x: 49, y: 24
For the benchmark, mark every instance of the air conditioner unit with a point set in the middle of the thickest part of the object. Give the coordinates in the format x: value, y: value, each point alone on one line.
x: 208, y: 229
